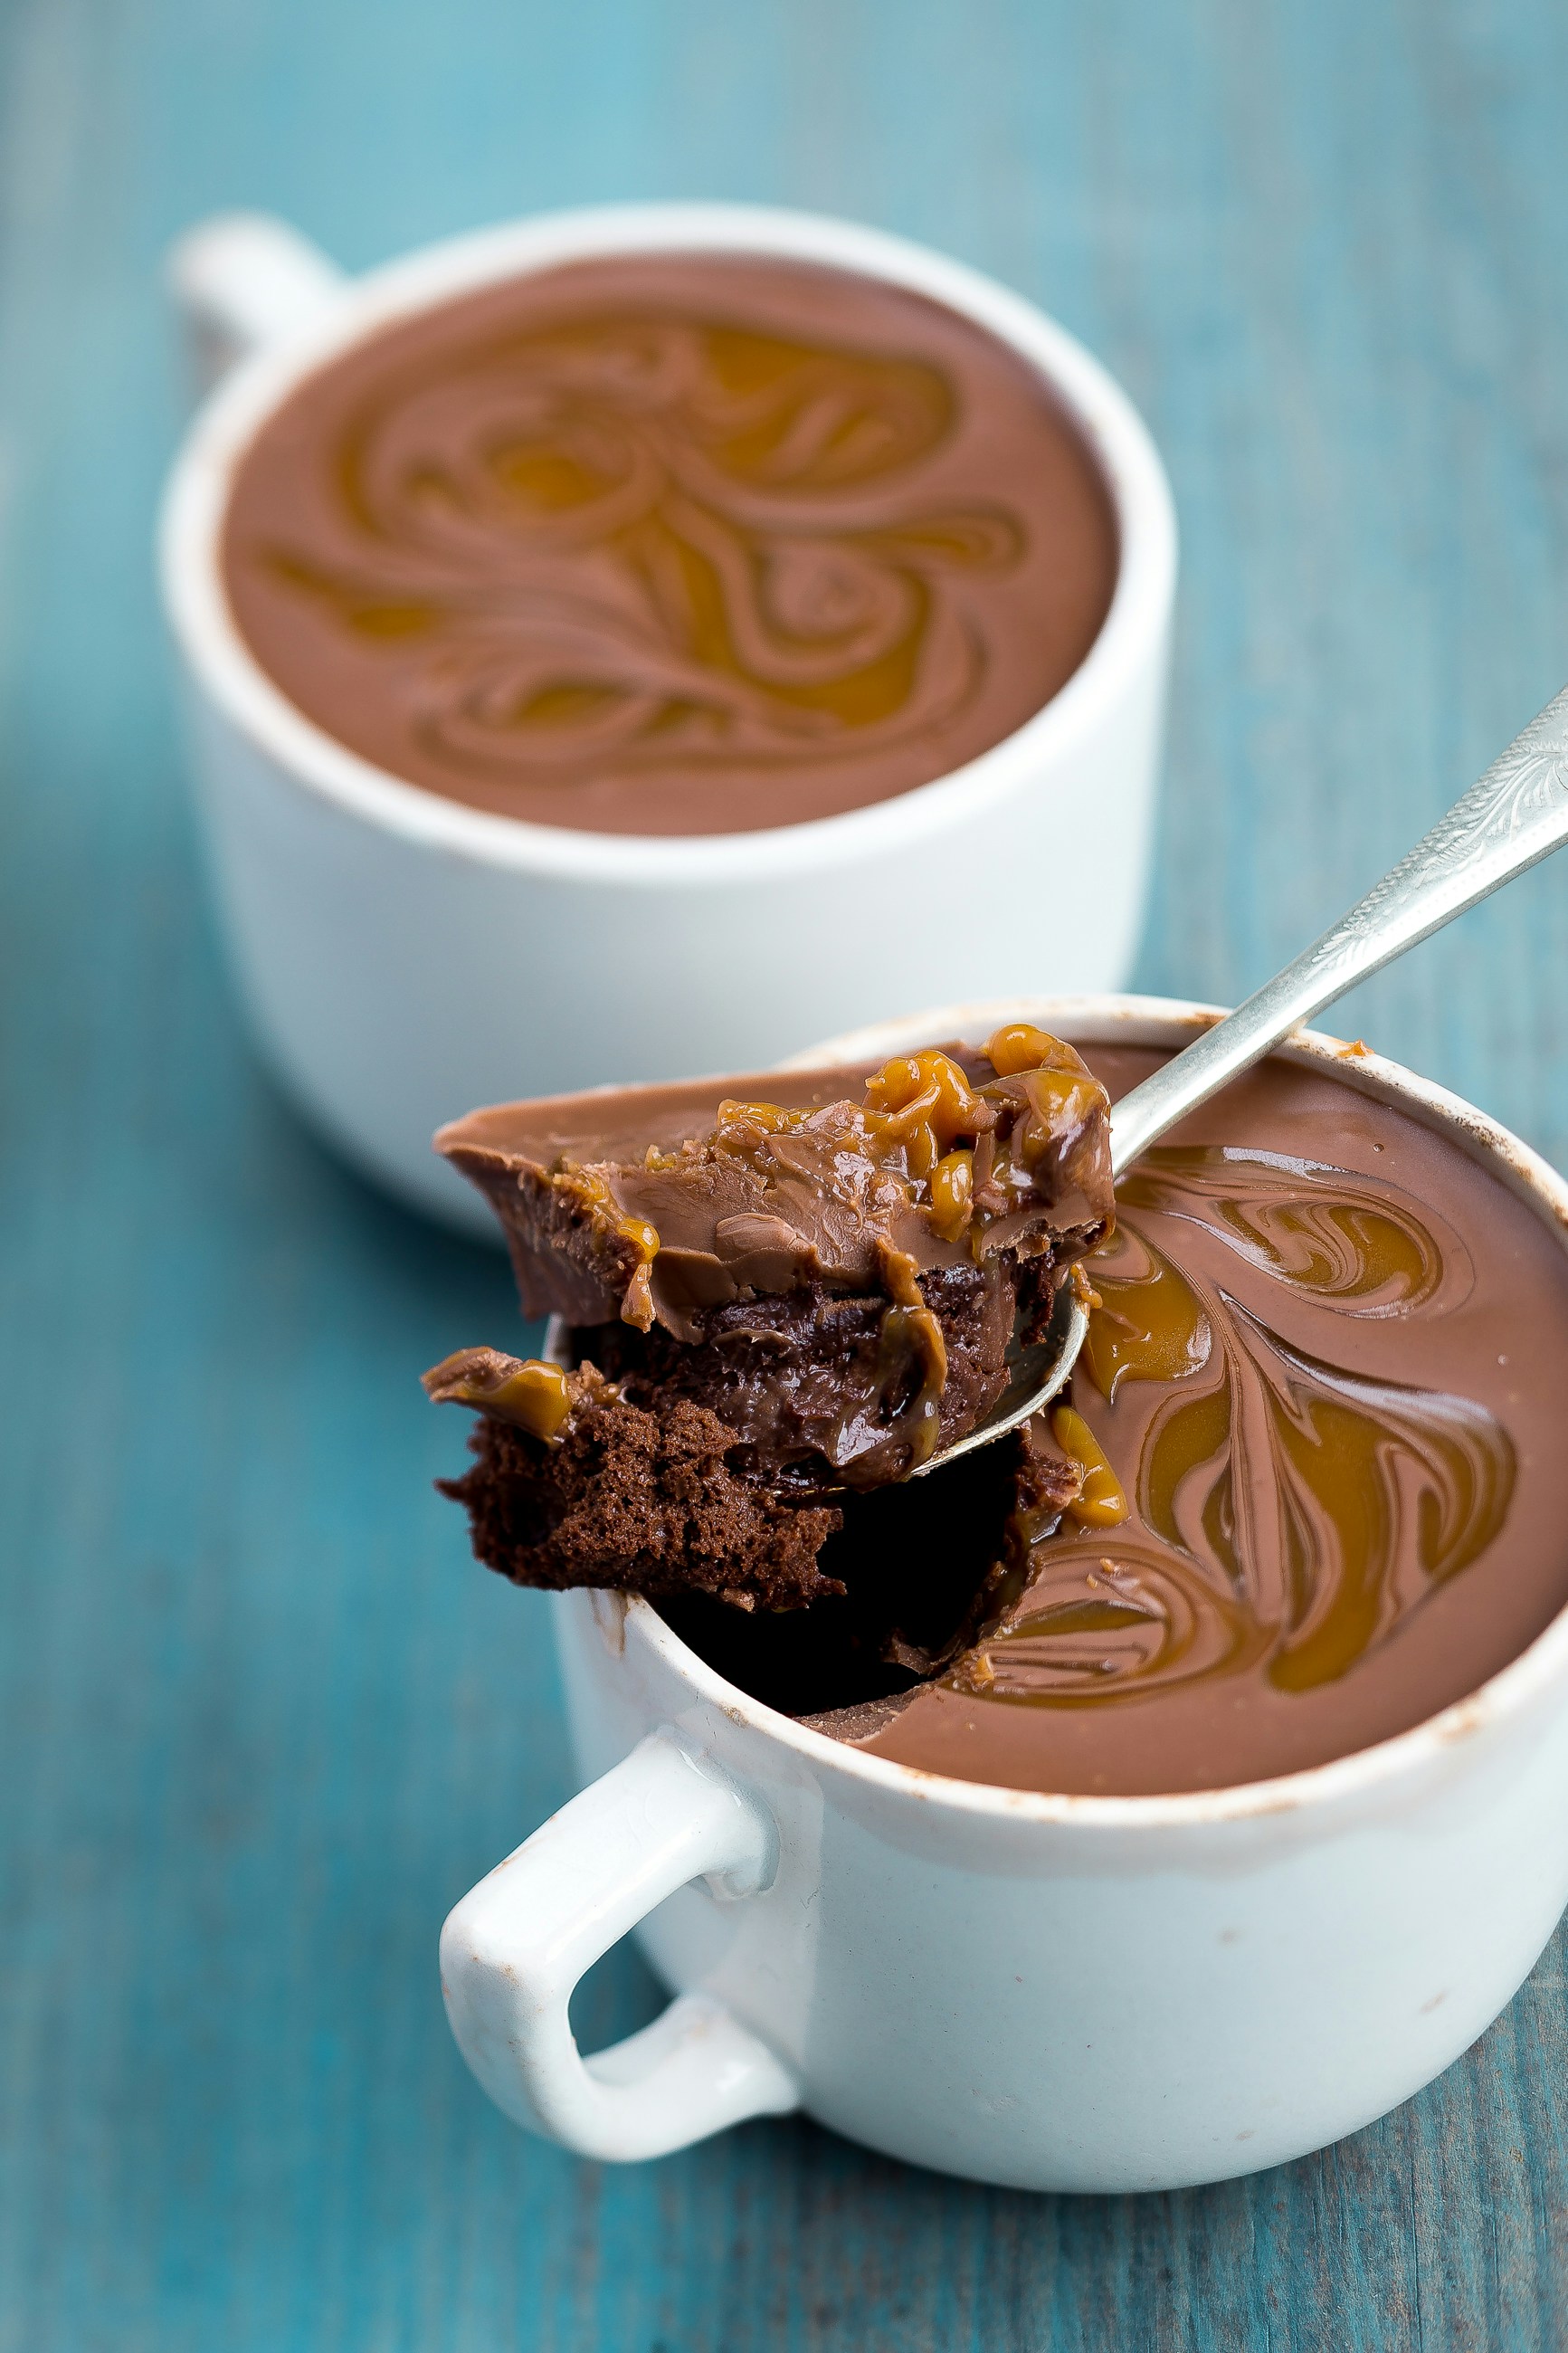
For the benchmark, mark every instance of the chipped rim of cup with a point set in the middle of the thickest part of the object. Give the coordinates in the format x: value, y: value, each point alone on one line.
x: 1526, y: 1681
x: 196, y: 503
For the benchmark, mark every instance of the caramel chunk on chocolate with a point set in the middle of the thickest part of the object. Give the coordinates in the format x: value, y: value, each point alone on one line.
x: 832, y: 1262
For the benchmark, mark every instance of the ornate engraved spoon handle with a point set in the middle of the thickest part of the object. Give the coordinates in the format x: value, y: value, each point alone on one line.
x: 1516, y: 815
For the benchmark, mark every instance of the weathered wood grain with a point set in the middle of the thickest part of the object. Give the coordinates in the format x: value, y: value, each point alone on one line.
x: 260, y: 1721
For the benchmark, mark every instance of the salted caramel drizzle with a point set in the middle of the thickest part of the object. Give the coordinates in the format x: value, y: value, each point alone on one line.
x: 533, y: 1396
x: 594, y: 1190
x: 924, y: 1124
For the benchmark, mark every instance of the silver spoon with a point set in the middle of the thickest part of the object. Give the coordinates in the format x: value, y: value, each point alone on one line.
x: 1516, y: 815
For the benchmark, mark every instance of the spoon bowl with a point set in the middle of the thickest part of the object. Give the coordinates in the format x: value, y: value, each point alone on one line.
x: 1038, y: 1371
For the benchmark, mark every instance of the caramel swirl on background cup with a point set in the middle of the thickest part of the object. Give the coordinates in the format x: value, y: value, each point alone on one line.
x: 678, y: 544
x: 401, y: 955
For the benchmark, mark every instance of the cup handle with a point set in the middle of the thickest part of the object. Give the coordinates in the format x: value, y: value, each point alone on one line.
x: 242, y: 281
x: 514, y: 1947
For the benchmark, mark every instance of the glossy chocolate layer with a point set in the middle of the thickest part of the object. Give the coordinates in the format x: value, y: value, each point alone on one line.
x: 1327, y: 1367
x: 831, y: 1263
x: 672, y: 544
x: 739, y: 1205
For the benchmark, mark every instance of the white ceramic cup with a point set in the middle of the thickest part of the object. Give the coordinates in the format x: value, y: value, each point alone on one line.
x: 1054, y: 1992
x: 404, y: 957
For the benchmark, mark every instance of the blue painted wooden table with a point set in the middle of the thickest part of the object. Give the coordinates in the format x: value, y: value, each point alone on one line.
x: 260, y: 1719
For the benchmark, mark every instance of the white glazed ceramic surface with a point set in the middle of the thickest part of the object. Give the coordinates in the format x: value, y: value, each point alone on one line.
x: 1058, y: 1993
x: 403, y: 959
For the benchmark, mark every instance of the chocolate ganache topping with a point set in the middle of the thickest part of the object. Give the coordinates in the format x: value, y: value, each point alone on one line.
x: 672, y: 544
x: 833, y: 1261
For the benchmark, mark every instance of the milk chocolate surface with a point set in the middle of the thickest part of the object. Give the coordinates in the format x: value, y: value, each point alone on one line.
x: 667, y: 545
x: 1328, y: 1368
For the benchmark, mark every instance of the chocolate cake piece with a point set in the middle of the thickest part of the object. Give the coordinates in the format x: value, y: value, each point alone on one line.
x: 924, y: 1568
x: 832, y: 1262
x: 809, y: 1607
x: 573, y: 1485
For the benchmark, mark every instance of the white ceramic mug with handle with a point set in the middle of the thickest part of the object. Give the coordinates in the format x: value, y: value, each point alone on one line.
x: 403, y: 956
x: 1053, y: 1992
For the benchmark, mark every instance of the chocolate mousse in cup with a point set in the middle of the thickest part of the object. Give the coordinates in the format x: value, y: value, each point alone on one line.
x: 1161, y: 1792
x: 625, y: 642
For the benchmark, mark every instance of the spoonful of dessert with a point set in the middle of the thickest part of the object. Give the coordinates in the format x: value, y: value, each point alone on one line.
x: 1516, y: 815
x: 776, y: 1291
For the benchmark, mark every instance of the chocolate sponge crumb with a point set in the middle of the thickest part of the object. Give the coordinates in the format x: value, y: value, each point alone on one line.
x: 920, y: 1567
x: 813, y: 1608
x: 640, y: 1503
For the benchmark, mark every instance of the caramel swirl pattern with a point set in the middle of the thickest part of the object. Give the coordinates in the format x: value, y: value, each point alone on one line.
x: 666, y: 543
x: 658, y: 541
x: 1290, y: 1510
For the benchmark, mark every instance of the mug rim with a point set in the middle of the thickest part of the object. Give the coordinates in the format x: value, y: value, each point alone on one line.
x: 196, y: 498
x: 1156, y: 1021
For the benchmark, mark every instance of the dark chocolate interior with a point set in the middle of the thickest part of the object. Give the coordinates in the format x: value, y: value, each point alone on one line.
x: 918, y: 1562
